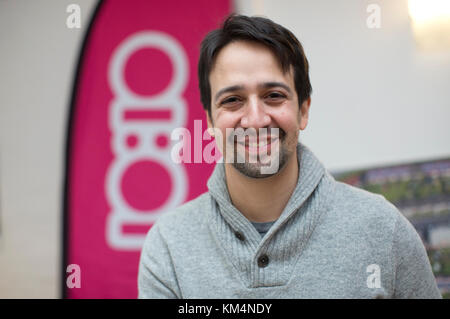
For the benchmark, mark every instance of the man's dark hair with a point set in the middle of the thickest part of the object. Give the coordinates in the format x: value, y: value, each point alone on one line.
x: 278, y: 39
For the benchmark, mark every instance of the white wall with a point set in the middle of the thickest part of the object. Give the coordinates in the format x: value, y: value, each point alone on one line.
x: 377, y: 99
x: 37, y: 56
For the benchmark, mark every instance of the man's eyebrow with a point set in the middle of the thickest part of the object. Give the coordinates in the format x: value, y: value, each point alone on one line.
x: 269, y: 85
x: 228, y: 89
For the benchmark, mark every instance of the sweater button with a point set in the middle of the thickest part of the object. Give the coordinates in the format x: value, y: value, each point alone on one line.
x: 239, y: 236
x: 263, y: 261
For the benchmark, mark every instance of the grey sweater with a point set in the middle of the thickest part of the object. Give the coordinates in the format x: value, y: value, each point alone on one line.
x: 331, y: 241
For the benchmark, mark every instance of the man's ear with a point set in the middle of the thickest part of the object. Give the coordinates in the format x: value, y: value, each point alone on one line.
x: 304, y: 113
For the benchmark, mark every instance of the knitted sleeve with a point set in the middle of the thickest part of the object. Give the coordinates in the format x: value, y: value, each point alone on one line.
x: 156, y: 277
x: 413, y: 275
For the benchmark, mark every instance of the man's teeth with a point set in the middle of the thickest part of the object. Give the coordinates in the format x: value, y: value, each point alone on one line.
x: 260, y: 144
x: 257, y: 144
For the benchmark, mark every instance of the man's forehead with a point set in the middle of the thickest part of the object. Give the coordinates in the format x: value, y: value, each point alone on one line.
x: 243, y: 57
x: 238, y: 52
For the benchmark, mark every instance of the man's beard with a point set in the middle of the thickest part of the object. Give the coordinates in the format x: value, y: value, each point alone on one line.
x: 255, y: 167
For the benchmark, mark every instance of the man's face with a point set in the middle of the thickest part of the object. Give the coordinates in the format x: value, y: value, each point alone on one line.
x: 249, y: 91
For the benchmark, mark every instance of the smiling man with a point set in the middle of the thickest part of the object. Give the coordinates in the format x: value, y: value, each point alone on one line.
x: 292, y: 231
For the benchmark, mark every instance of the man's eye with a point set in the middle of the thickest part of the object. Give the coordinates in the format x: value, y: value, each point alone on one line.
x: 230, y: 100
x: 275, y: 95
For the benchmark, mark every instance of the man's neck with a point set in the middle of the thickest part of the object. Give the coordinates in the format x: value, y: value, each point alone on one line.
x: 262, y: 199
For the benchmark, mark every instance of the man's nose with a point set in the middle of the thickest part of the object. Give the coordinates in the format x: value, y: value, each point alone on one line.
x: 255, y: 115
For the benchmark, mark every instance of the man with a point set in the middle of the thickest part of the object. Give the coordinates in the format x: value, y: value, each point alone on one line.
x: 291, y: 233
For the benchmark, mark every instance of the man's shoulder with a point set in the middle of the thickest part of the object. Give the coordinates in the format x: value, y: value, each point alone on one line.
x: 366, y: 218
x: 360, y: 204
x: 187, y: 215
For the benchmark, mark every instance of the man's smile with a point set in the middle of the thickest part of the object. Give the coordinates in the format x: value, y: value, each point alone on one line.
x: 258, y: 144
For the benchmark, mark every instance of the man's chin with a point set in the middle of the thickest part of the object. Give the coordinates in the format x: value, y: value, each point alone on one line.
x: 263, y: 167
x: 253, y: 170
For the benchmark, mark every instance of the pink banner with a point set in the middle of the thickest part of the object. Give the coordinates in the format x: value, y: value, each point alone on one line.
x: 136, y: 82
